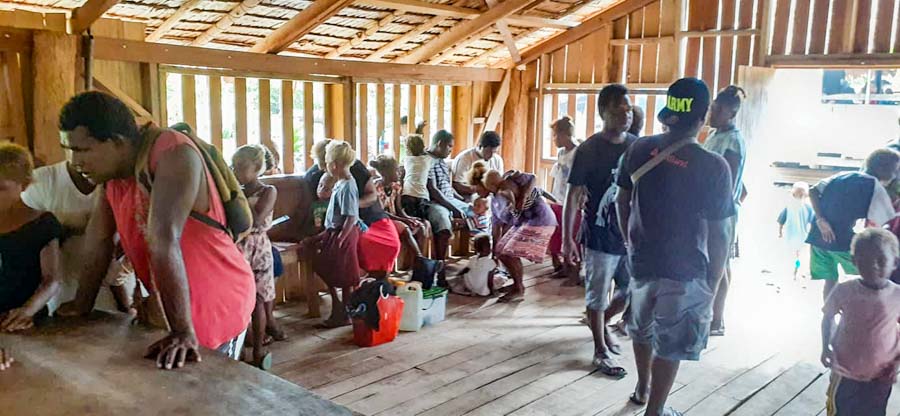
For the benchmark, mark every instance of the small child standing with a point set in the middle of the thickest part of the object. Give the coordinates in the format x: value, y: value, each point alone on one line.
x: 794, y: 222
x: 29, y: 246
x: 333, y: 252
x: 864, y: 350
x: 480, y: 277
x: 248, y: 164
x: 417, y: 165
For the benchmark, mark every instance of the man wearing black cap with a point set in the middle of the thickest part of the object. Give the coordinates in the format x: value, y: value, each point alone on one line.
x: 674, y: 199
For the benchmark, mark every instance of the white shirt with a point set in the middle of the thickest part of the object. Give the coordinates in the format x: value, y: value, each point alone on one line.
x: 476, y: 279
x: 560, y: 173
x: 415, y: 183
x: 52, y: 190
x: 464, y: 161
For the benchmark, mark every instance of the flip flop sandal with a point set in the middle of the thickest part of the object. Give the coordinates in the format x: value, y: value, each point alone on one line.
x: 505, y: 289
x: 634, y: 399
x: 616, y: 372
x: 265, y: 363
x: 268, y: 340
x: 511, y: 298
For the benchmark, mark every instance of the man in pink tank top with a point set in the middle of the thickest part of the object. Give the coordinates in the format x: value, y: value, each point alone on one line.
x: 206, y: 286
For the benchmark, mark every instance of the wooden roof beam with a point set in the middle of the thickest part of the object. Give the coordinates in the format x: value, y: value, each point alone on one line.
x: 587, y: 27
x: 287, y: 66
x: 506, y: 34
x: 483, y: 57
x: 456, y: 11
x: 299, y: 25
x: 447, y: 54
x: 225, y: 22
x: 406, y: 37
x: 463, y: 31
x: 84, y: 16
x: 360, y: 37
x: 172, y: 20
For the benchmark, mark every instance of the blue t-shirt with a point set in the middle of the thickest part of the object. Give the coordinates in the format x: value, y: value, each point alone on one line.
x: 796, y: 219
x: 344, y: 203
x: 844, y: 199
x: 670, y: 205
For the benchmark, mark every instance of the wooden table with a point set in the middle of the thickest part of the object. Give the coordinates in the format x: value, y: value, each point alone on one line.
x: 95, y: 367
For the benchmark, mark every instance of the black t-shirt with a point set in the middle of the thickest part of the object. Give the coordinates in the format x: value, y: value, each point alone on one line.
x: 594, y: 167
x: 669, y: 206
x: 360, y: 173
x: 845, y: 198
x: 20, y: 260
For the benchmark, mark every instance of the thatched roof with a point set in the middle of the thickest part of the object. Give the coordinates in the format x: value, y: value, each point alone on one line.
x: 356, y: 31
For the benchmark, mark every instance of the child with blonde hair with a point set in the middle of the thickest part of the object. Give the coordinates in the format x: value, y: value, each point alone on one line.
x: 333, y: 252
x: 794, y: 222
x: 29, y: 246
x: 248, y: 163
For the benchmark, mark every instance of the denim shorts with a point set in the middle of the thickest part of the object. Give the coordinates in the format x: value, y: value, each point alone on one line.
x: 671, y: 315
x: 599, y: 269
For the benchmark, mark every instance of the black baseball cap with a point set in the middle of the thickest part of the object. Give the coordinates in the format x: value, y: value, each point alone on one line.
x: 686, y: 101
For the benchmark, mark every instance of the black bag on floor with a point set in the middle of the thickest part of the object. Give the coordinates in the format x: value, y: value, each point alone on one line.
x: 425, y: 270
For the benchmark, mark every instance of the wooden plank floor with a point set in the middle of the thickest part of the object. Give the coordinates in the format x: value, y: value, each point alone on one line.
x: 533, y: 358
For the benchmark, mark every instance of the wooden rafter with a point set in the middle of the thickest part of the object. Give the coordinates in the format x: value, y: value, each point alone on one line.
x: 459, y: 12
x: 506, y: 34
x: 225, y: 22
x: 412, y: 34
x: 346, y: 46
x: 299, y: 25
x: 481, y: 58
x: 172, y: 20
x: 443, y: 56
x: 463, y: 30
x: 587, y: 27
x: 286, y: 66
x: 84, y: 16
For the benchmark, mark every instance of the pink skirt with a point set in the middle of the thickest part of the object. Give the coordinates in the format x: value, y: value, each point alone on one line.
x: 526, y: 241
x: 337, y: 264
x: 556, y: 241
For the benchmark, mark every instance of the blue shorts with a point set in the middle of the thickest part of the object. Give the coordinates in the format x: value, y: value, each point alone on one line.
x: 599, y: 269
x: 440, y: 217
x: 671, y: 315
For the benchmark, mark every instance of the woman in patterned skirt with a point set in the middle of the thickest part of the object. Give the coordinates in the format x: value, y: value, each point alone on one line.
x: 522, y: 223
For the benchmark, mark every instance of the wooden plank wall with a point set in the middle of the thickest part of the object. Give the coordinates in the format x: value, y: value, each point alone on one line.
x: 848, y: 33
x: 424, y: 103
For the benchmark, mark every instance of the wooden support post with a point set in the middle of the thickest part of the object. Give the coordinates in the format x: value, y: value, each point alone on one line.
x: 163, y: 98
x: 515, y: 122
x: 380, y: 134
x: 215, y: 111
x: 441, y: 98
x: 362, y: 144
x: 498, y: 103
x: 287, y: 126
x: 396, y: 101
x: 265, y: 113
x: 348, y: 103
x: 189, y: 100
x: 240, y: 111
x: 308, y: 123
x: 426, y: 109
x: 462, y: 116
x: 151, y: 99
x: 54, y: 72
x: 412, y: 110
x: 329, y: 111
